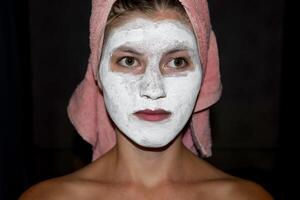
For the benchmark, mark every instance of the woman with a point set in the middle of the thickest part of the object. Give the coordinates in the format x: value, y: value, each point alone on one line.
x: 152, y: 74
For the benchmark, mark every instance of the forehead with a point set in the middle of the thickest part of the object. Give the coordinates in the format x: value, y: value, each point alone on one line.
x: 156, y: 27
x: 166, y: 14
x: 147, y: 35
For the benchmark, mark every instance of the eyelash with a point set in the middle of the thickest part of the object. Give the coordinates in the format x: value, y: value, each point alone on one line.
x: 182, y: 59
x: 126, y: 65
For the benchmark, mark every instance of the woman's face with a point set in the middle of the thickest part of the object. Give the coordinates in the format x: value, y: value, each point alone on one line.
x: 150, y: 74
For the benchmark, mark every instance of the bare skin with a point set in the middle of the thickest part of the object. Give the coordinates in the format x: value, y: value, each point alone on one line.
x: 127, y: 172
x: 131, y: 172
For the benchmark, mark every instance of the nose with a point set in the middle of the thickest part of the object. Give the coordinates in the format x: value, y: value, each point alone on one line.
x: 152, y: 86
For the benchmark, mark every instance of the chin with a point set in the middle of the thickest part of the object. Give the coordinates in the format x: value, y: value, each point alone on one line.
x: 150, y: 143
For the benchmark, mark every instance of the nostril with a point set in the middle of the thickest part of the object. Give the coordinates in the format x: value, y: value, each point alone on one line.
x: 152, y: 85
x: 152, y: 91
x: 153, y: 95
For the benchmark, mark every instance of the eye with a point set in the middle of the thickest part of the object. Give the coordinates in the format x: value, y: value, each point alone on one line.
x: 177, y: 63
x: 128, y: 62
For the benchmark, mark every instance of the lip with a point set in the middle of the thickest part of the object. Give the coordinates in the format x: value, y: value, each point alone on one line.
x: 152, y: 115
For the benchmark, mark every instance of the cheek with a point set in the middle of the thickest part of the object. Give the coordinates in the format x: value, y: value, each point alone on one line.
x: 183, y: 91
x: 119, y: 90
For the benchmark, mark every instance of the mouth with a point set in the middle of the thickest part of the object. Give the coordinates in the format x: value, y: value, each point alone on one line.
x: 153, y: 115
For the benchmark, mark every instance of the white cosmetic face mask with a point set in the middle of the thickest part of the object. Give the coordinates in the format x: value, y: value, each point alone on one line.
x: 127, y: 93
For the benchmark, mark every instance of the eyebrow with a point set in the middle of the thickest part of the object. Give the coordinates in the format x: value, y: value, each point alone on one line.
x: 127, y: 49
x: 177, y: 49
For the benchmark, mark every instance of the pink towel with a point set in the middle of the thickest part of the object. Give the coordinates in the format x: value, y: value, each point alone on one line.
x: 87, y: 110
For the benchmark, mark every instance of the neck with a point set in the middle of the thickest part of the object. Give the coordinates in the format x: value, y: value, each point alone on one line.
x: 148, y: 167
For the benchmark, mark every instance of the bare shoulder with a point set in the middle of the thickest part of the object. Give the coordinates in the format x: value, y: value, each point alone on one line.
x: 72, y: 186
x: 236, y: 188
x: 80, y: 184
x: 244, y: 189
x: 58, y: 188
x: 216, y: 184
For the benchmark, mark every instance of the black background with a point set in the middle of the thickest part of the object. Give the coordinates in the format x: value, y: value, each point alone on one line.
x: 44, y: 52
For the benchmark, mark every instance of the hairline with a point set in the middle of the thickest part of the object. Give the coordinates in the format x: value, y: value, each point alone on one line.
x: 149, y: 15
